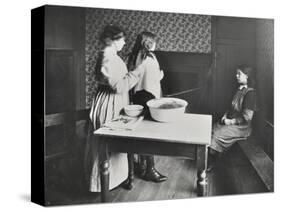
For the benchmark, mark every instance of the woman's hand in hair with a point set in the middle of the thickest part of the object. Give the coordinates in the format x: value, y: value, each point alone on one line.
x: 139, y: 70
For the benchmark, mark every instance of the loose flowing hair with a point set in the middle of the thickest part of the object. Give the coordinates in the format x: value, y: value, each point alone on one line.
x: 141, y: 49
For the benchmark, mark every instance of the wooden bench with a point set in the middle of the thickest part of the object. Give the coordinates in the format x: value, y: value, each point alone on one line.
x: 260, y: 161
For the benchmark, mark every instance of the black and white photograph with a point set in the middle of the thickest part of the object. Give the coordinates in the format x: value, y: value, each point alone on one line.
x: 139, y: 105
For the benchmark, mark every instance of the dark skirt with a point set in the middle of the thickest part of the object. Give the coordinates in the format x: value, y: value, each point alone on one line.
x: 141, y: 98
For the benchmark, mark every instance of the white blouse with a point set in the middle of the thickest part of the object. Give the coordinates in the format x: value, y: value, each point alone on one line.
x: 151, y: 77
x: 115, y: 73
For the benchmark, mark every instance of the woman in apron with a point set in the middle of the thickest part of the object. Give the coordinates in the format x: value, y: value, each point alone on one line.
x: 114, y: 82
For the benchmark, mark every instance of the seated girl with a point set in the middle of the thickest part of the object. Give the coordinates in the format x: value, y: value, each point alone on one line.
x: 236, y: 122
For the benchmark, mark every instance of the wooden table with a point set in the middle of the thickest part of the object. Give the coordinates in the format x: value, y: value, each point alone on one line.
x: 188, y: 137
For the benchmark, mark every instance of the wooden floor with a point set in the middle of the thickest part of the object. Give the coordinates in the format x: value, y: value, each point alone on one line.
x: 232, y: 175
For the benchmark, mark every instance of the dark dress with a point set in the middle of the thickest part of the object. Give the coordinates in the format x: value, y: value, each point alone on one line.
x: 224, y: 136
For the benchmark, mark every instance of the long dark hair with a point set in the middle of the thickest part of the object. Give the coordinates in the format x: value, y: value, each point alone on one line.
x: 143, y: 44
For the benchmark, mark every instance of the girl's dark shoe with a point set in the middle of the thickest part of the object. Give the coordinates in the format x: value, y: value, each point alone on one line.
x: 154, y: 176
x: 127, y: 184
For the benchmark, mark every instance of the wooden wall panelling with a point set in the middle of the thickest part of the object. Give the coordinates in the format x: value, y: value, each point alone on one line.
x: 65, y: 29
x: 185, y: 74
x: 265, y: 83
x: 60, y: 98
x: 233, y: 43
x: 60, y: 117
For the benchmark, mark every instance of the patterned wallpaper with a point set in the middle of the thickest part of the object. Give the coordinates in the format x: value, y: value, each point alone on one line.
x: 175, y: 32
x: 265, y: 64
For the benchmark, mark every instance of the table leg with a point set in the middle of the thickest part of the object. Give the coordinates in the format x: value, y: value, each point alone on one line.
x: 131, y: 169
x: 104, y: 172
x: 128, y: 184
x: 202, y: 183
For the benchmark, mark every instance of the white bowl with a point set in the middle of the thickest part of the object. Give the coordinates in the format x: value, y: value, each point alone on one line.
x: 133, y: 110
x: 166, y: 109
